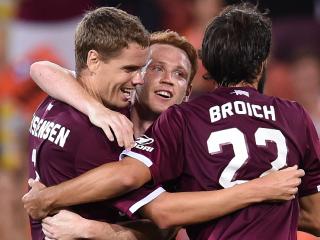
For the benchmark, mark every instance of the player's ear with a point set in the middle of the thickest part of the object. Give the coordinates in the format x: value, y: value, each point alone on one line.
x: 93, y: 60
x: 188, y: 93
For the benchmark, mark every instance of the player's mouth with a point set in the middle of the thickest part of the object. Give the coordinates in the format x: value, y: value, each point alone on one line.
x: 127, y: 92
x: 164, y: 94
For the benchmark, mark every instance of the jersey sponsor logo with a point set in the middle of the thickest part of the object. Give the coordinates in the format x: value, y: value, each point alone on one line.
x: 142, y: 141
x: 240, y: 92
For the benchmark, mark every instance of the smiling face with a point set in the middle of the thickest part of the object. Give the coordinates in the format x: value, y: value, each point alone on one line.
x: 115, y: 80
x: 166, y: 81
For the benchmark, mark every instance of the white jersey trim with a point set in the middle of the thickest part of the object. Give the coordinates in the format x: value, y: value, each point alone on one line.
x: 318, y: 187
x: 146, y: 161
x: 151, y: 196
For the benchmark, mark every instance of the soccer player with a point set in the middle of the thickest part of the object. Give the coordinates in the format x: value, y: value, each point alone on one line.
x: 236, y: 133
x: 135, y: 173
x: 167, y: 81
x: 63, y: 143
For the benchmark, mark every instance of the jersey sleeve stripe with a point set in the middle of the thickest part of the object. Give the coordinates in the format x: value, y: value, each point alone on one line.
x: 146, y: 161
x: 153, y: 195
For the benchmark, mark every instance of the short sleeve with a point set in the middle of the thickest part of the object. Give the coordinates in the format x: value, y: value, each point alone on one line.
x: 161, y: 148
x: 311, y: 160
x: 130, y: 203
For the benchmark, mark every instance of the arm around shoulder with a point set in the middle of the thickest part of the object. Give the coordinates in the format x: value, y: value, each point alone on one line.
x: 49, y: 77
x: 107, y: 181
x: 172, y: 209
x: 60, y: 83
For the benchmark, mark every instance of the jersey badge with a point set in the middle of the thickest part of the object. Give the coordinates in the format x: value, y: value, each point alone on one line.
x: 142, y: 141
x: 240, y: 92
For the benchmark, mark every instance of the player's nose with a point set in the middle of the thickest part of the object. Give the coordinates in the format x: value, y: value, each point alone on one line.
x: 137, y: 79
x: 167, y: 79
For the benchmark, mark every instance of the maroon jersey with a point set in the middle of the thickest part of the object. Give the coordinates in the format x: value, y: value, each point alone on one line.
x: 130, y: 203
x: 228, y: 137
x: 64, y: 144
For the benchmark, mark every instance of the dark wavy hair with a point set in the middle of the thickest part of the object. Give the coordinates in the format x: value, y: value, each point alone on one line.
x: 235, y: 44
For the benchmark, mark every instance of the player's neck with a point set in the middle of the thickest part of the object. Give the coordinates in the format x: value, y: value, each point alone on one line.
x: 255, y: 82
x: 243, y: 84
x: 86, y: 81
x: 142, y: 119
x: 246, y: 84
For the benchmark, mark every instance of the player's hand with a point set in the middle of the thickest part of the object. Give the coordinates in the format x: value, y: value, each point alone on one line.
x: 32, y: 201
x: 281, y: 185
x: 65, y: 225
x: 109, y: 120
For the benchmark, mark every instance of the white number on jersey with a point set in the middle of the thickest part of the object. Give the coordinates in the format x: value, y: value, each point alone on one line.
x: 237, y: 139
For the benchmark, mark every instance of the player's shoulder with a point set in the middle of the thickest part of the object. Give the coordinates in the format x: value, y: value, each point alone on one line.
x: 196, y: 104
x: 290, y: 111
x: 175, y: 110
x: 61, y: 112
x: 285, y: 103
x: 173, y: 115
x: 183, y: 110
x: 44, y: 105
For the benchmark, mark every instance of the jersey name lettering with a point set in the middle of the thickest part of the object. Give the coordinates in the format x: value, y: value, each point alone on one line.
x: 241, y: 108
x: 44, y: 129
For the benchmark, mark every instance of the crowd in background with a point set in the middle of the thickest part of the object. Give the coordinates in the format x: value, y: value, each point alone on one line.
x: 32, y: 30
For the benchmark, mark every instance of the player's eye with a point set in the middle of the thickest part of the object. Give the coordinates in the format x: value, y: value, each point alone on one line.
x: 206, y: 76
x: 130, y: 69
x: 180, y: 74
x: 156, y: 68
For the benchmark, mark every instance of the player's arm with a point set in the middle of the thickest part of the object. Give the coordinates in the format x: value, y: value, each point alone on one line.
x: 61, y: 84
x: 309, y: 218
x: 150, y: 230
x: 172, y: 209
x: 107, y: 181
x: 69, y: 225
x: 309, y: 191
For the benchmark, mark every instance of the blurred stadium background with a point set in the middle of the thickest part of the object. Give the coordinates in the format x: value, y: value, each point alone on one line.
x: 32, y: 30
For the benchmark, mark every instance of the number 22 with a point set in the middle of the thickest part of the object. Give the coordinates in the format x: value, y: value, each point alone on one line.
x: 237, y: 139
